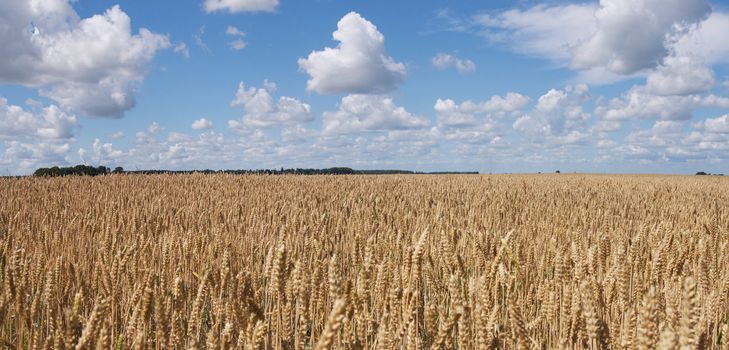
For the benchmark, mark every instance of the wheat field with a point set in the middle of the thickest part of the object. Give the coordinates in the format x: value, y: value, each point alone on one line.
x: 365, y: 262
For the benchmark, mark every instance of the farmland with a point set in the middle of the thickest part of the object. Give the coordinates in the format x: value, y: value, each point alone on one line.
x: 365, y: 262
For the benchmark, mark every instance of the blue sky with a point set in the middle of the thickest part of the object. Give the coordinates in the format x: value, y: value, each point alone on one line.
x: 493, y: 86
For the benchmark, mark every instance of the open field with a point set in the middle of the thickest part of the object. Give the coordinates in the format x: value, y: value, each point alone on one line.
x: 365, y: 262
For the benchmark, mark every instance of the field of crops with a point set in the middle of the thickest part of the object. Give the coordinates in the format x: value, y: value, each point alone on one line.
x: 365, y: 262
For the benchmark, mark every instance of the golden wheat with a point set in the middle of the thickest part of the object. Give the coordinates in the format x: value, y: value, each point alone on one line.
x: 365, y: 262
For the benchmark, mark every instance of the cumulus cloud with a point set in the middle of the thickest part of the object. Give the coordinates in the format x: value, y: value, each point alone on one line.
x: 714, y: 101
x: 208, y: 149
x: 706, y: 40
x: 297, y: 134
x: 202, y: 124
x: 237, y: 43
x: 36, y: 136
x: 236, y: 6
x: 620, y: 39
x: 687, y: 69
x: 105, y: 153
x: 446, y: 60
x: 631, y: 35
x: 484, y: 132
x: 24, y: 157
x: 452, y: 114
x: 639, y: 102
x: 366, y: 113
x: 475, y: 122
x: 670, y: 141
x: 50, y: 123
x: 358, y: 64
x: 680, y: 76
x: 261, y: 111
x: 45, y: 39
x: 558, y: 113
x: 154, y: 128
x: 465, y: 114
x: 718, y: 125
x: 664, y: 133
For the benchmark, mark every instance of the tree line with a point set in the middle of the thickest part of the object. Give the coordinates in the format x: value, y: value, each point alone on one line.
x: 81, y: 170
x: 85, y: 170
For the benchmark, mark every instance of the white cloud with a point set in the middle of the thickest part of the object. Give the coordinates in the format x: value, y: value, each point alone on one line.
x: 109, y: 97
x: 235, y: 6
x: 199, y: 42
x: 550, y: 32
x: 365, y: 113
x: 664, y: 133
x: 46, y: 39
x: 154, y: 128
x: 82, y: 154
x: 558, y: 113
x: 50, y: 123
x: 475, y: 122
x: 714, y: 144
x: 105, y: 153
x: 511, y: 102
x: 638, y: 103
x: 673, y: 142
x: 451, y: 114
x: 296, y: 134
x: 358, y: 64
x: 481, y: 133
x: 270, y: 86
x: 713, y: 101
x: 234, y: 31
x: 718, y: 125
x: 706, y: 40
x: 680, y: 76
x: 686, y: 70
x: 605, y: 143
x: 24, y: 157
x: 445, y: 60
x: 620, y: 39
x: 117, y: 135
x: 602, y: 76
x: 631, y: 35
x: 603, y: 126
x: 531, y: 125
x: 182, y: 49
x: 238, y: 43
x: 202, y: 124
x: 207, y: 149
x: 261, y: 111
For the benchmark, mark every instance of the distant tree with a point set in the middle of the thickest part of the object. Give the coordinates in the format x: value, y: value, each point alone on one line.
x: 74, y: 170
x: 41, y: 172
x: 702, y: 173
x: 557, y: 172
x: 118, y: 170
